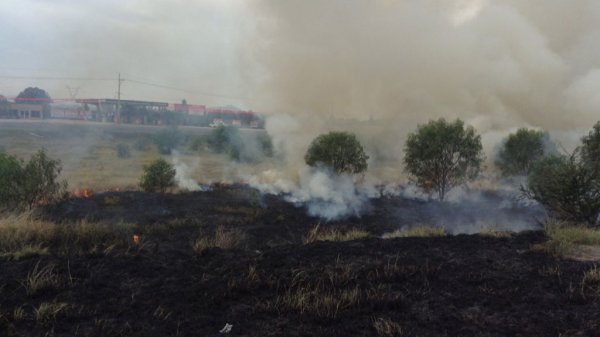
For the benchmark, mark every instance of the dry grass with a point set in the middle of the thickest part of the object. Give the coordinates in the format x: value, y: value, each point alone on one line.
x: 40, y: 278
x: 47, y: 312
x: 224, y: 239
x: 564, y: 238
x: 19, y: 314
x: 385, y: 327
x: 421, y: 231
x: 23, y: 236
x: 317, y: 301
x: 317, y: 234
x: 492, y: 233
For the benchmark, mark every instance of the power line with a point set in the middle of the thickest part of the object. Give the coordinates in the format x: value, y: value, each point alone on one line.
x: 12, y: 77
x: 181, y: 89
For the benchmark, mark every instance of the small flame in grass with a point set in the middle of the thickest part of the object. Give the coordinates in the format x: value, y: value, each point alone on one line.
x: 83, y: 193
x: 136, y: 239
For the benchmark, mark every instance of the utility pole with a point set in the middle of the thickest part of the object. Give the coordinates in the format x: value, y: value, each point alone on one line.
x: 119, y: 100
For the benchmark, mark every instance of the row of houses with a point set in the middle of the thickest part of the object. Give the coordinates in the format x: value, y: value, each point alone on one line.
x: 130, y: 112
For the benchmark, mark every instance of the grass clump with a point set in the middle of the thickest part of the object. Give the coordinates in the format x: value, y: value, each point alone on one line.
x: 385, y: 327
x: 222, y: 238
x: 421, y: 232
x: 317, y: 234
x: 23, y: 236
x: 47, y: 312
x: 40, y: 278
x: 493, y: 233
x: 564, y: 238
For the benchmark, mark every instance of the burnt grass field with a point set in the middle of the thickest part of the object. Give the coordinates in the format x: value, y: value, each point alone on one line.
x: 271, y: 282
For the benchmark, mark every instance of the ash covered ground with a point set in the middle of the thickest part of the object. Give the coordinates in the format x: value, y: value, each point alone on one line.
x: 275, y: 285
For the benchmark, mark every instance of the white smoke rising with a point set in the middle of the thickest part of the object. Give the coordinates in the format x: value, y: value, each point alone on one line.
x: 325, y: 194
x: 183, y: 173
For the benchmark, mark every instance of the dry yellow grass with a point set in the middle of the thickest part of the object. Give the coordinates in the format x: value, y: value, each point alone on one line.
x: 23, y: 236
x: 88, y: 152
x: 421, y: 231
x: 564, y: 239
x: 224, y: 239
x: 318, y: 234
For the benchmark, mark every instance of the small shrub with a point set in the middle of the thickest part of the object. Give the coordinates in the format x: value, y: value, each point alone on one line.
x: 158, y: 176
x: 142, y: 144
x: 590, y: 149
x: 27, y: 184
x: 567, y: 187
x: 340, y: 151
x: 123, y: 151
x: 421, y: 231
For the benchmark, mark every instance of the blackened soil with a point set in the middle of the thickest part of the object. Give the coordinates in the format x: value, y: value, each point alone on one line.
x: 464, y: 285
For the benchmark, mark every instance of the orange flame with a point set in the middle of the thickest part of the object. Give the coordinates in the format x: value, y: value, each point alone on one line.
x: 136, y: 239
x: 85, y: 193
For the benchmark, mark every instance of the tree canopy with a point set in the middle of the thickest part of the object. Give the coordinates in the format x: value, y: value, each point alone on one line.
x: 521, y: 150
x: 33, y: 94
x: 340, y: 151
x: 441, y: 155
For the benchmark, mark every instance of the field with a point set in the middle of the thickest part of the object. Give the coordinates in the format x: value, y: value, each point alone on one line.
x: 233, y: 261
x: 88, y: 152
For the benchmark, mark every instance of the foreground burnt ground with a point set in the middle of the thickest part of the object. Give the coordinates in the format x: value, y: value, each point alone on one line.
x: 273, y: 285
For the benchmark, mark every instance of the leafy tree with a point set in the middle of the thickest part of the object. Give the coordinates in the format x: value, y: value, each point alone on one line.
x: 521, y: 150
x: 26, y: 184
x: 11, y: 181
x: 41, y: 184
x: 158, y: 176
x: 590, y: 149
x: 567, y: 187
x: 33, y: 94
x: 441, y: 155
x: 340, y: 151
x: 168, y: 139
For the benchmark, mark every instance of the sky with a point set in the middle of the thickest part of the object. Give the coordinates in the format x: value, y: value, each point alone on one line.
x: 497, y: 64
x: 192, y: 46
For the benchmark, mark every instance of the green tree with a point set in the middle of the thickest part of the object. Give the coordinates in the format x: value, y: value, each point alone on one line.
x: 521, y: 150
x: 567, y: 187
x: 590, y: 149
x: 340, y: 151
x: 158, y: 176
x: 40, y: 180
x: 11, y: 181
x: 33, y: 94
x: 441, y: 155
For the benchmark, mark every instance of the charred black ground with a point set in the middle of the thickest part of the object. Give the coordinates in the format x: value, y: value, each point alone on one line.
x: 273, y: 285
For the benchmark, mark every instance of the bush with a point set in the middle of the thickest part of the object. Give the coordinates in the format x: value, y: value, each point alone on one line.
x: 11, y: 181
x: 521, y: 150
x: 340, y: 151
x: 123, y: 151
x: 441, y: 155
x: 158, y: 176
x: 168, y: 139
x: 590, y: 149
x: 26, y: 184
x: 40, y: 179
x: 567, y: 187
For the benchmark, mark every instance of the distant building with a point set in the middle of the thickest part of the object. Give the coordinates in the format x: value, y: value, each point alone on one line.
x: 27, y: 110
x: 190, y: 109
x: 135, y: 112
